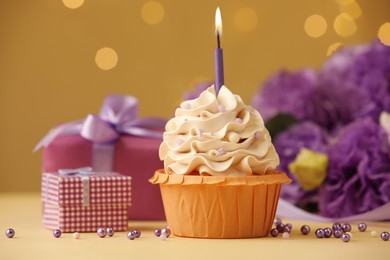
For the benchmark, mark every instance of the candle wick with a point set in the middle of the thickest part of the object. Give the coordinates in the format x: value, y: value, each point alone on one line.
x: 218, y: 41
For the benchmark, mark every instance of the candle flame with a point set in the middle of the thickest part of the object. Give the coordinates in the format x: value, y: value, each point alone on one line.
x: 218, y: 22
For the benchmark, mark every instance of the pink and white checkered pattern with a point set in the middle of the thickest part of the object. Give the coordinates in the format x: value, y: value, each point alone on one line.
x: 64, y: 201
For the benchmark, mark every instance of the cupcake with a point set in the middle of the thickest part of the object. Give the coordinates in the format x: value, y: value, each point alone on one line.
x: 219, y: 178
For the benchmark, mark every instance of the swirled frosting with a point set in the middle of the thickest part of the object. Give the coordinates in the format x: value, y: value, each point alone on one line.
x: 217, y: 135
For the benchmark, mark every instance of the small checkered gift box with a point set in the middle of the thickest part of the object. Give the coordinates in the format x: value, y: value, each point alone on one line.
x: 81, y: 200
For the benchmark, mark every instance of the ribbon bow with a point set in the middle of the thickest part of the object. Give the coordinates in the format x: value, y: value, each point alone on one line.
x: 78, y: 171
x: 84, y: 172
x: 118, y: 115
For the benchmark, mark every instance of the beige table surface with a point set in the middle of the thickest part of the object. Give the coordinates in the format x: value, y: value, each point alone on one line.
x: 22, y: 212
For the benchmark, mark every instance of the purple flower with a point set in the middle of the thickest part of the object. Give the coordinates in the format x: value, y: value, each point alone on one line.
x: 359, y: 171
x: 288, y: 144
x: 199, y: 88
x: 294, y: 93
x: 355, y: 82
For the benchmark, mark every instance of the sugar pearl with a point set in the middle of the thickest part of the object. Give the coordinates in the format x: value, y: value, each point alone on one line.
x: 274, y: 232
x: 327, y: 232
x: 305, y: 230
x: 137, y: 233
x: 56, y: 233
x: 336, y: 226
x: 385, y: 235
x: 76, y: 235
x: 238, y: 120
x: 350, y: 234
x: 233, y: 137
x: 277, y: 221
x: 199, y: 131
x: 220, y: 152
x: 320, y: 233
x: 346, y: 237
x: 280, y: 227
x: 286, y: 229
x: 10, y: 233
x: 101, y: 232
x: 362, y: 227
x: 346, y: 227
x: 166, y: 231
x: 337, y: 233
x: 131, y: 235
x: 110, y: 232
x: 163, y: 236
x: 157, y: 232
x: 285, y: 235
x: 373, y: 233
x: 180, y: 141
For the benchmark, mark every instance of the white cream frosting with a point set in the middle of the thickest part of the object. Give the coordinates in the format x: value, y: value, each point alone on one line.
x: 217, y: 135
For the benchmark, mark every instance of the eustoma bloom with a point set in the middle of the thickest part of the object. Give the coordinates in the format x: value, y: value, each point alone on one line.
x: 340, y: 116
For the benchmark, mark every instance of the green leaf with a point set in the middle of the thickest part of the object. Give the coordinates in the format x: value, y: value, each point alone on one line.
x: 279, y: 123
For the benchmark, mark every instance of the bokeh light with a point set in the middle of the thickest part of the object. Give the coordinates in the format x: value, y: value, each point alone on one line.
x: 315, y: 26
x: 384, y: 33
x: 333, y: 47
x: 106, y: 58
x: 344, y: 25
x: 152, y: 12
x: 353, y: 9
x: 73, y: 4
x: 245, y: 19
x: 345, y: 2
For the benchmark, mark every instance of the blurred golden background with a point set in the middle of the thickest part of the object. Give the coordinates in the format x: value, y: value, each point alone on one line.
x: 60, y: 58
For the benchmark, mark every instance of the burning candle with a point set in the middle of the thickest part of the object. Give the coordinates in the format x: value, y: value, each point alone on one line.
x: 218, y: 54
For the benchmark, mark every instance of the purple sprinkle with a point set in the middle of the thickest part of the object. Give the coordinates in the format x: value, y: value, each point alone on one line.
x: 10, y: 233
x: 337, y: 233
x: 346, y: 227
x: 345, y: 237
x: 320, y: 233
x: 221, y: 108
x: 286, y: 229
x: 131, y: 235
x: 180, y: 141
x: 385, y: 235
x: 166, y: 231
x: 362, y: 227
x: 277, y: 221
x: 56, y: 233
x: 101, y: 232
x: 238, y: 120
x: 157, y: 232
x: 274, y: 232
x: 137, y: 233
x: 328, y: 232
x: 280, y: 227
x: 110, y: 232
x: 336, y: 226
x: 305, y: 230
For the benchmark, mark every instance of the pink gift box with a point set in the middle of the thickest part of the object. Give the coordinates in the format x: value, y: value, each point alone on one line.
x: 132, y: 156
x: 115, y: 140
x: 83, y: 203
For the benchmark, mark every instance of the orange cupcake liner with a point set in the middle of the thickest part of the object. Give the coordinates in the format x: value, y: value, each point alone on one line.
x: 220, y: 207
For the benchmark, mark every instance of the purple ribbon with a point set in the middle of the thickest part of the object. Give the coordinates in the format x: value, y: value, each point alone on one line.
x: 117, y: 116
